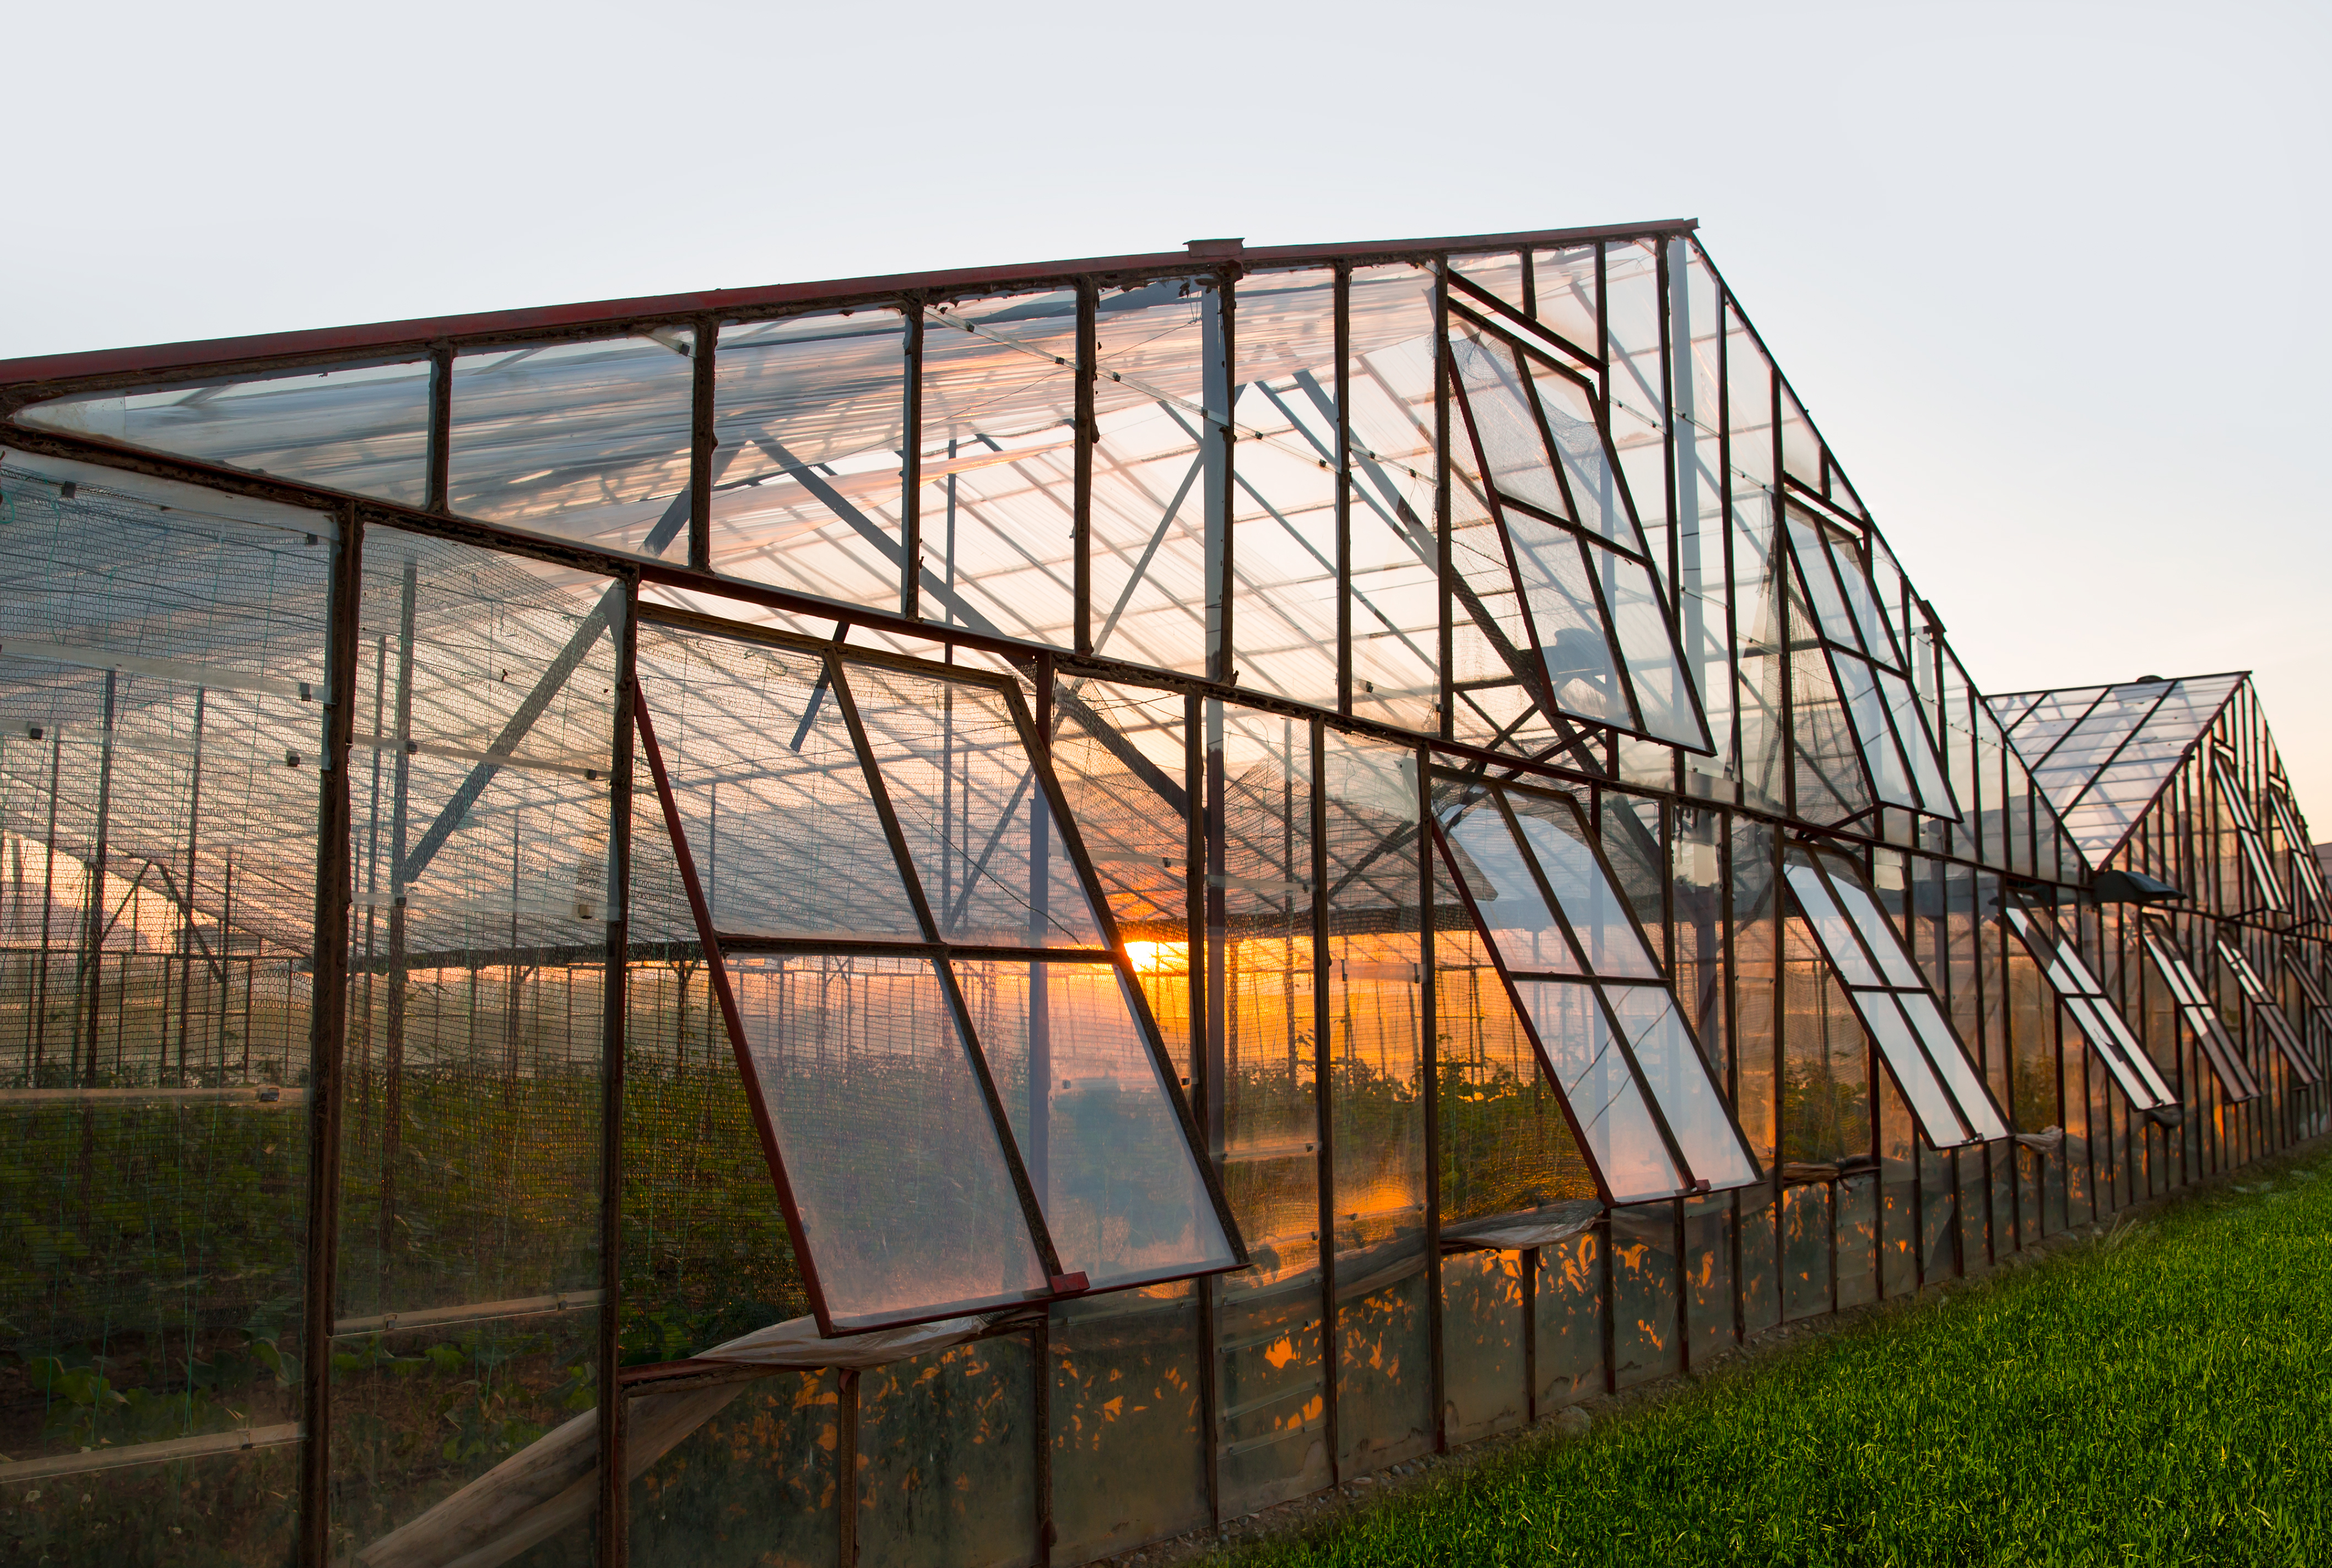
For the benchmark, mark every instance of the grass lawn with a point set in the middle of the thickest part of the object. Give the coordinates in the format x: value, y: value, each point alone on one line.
x: 2163, y: 1397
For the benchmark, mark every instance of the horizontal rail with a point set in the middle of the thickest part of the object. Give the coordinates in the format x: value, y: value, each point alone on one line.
x: 471, y: 1311
x: 240, y: 1441
x: 264, y: 1097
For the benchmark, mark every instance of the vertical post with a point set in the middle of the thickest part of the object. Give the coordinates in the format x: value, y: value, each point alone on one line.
x: 615, y: 1496
x: 1429, y: 1070
x: 393, y: 1068
x: 845, y: 1459
x: 1530, y: 1333
x: 441, y: 430
x: 702, y: 387
x: 1199, y: 717
x: 186, y: 894
x: 1040, y: 1381
x: 372, y: 856
x: 911, y: 469
x: 327, y: 1015
x: 1343, y: 488
x: 226, y: 970
x: 1324, y: 1057
x: 48, y: 906
x: 1445, y: 699
x: 1088, y: 436
x: 1215, y: 437
x: 93, y: 934
x: 1040, y: 1011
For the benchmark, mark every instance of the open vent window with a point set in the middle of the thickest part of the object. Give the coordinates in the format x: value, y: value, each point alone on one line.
x: 1869, y: 659
x: 2268, y: 1010
x: 2092, y: 1011
x: 2306, y: 873
x: 2266, y: 885
x: 1529, y: 436
x: 963, y: 1098
x: 2195, y: 1008
x: 1924, y: 1056
x: 2319, y: 1007
x: 1590, y: 992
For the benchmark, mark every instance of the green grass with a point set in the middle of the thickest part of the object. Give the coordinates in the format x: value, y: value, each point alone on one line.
x: 2163, y: 1398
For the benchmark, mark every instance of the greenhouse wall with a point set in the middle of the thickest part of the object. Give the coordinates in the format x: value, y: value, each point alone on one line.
x: 984, y: 918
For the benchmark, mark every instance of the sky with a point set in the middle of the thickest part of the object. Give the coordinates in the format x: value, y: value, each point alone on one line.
x: 2047, y: 276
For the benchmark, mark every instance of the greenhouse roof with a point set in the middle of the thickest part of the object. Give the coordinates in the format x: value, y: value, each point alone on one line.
x: 2102, y: 753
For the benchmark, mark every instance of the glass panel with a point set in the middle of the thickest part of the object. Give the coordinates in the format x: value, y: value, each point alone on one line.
x: 1096, y: 1127
x: 1914, y: 1075
x: 706, y: 1254
x: 905, y: 1198
x: 1952, y: 1065
x: 1156, y: 464
x: 1672, y: 1066
x: 1284, y: 498
x: 421, y: 1415
x: 1599, y: 917
x: 1504, y: 1145
x: 1710, y: 1298
x: 1830, y: 925
x: 770, y: 792
x: 991, y: 859
x: 1646, y: 1335
x: 947, y: 1457
x: 1484, y: 1376
x: 1877, y: 930
x: 1129, y: 1460
x: 1870, y: 614
x: 158, y: 670
x: 483, y: 902
x: 1807, y: 1255
x: 1655, y: 672
x: 808, y: 412
x: 363, y: 428
x: 1512, y: 910
x: 1858, y: 1240
x: 1618, y: 1133
x: 1597, y: 502
x: 755, y: 1484
x: 1378, y: 1090
x: 1825, y: 1061
x: 1497, y: 409
x: 1396, y: 591
x: 1927, y: 771
x: 1571, y: 1320
x: 589, y: 441
x: 1837, y: 621
x: 999, y: 468
x: 1867, y: 711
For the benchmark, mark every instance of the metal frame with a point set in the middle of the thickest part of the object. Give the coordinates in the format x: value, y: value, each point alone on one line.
x: 933, y: 948
x: 1855, y: 989
x: 2166, y: 839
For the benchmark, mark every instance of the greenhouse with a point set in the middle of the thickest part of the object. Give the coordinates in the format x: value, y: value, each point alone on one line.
x: 982, y: 917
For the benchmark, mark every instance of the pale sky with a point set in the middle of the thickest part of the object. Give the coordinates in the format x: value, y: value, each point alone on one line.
x: 2047, y: 276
